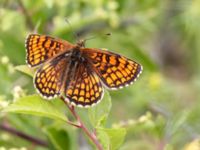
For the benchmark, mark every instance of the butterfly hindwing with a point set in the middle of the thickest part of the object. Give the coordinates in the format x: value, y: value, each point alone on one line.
x: 85, y: 89
x: 40, y: 48
x: 49, y: 78
x: 114, y: 70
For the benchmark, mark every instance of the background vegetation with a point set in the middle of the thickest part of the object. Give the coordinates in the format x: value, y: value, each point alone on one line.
x: 160, y: 111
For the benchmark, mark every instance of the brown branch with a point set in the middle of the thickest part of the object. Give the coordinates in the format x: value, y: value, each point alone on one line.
x: 22, y: 135
x: 161, y: 145
x: 91, y: 135
x: 27, y: 16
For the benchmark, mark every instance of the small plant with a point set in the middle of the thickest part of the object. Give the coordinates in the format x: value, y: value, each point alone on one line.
x: 100, y: 135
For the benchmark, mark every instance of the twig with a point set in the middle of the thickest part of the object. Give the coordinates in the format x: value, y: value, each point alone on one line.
x: 22, y: 135
x: 27, y: 17
x: 161, y: 145
x: 91, y: 135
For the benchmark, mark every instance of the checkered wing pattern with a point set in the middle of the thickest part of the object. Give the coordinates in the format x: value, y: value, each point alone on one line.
x: 49, y: 78
x: 85, y: 89
x: 114, y: 70
x: 40, y: 48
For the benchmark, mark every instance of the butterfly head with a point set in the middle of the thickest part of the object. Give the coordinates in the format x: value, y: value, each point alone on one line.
x: 81, y: 43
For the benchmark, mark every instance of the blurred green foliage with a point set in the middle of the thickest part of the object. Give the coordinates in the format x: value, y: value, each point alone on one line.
x: 159, y: 111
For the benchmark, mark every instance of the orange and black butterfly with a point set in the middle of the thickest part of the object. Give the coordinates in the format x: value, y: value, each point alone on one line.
x: 77, y: 72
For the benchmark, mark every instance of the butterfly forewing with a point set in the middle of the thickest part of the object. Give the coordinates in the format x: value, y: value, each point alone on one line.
x: 49, y: 78
x: 85, y: 89
x: 114, y: 70
x: 40, y: 48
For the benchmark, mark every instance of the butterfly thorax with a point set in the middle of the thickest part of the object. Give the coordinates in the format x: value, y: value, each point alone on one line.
x: 77, y: 56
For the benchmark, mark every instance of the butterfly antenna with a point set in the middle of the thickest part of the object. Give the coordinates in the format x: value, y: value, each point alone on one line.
x: 75, y: 35
x: 93, y: 37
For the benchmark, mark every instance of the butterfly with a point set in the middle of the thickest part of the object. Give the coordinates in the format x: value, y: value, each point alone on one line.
x: 76, y: 72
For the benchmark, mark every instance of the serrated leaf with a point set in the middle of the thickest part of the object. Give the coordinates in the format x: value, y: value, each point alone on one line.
x: 59, y: 138
x: 111, y: 138
x: 35, y: 105
x: 99, y: 113
x: 25, y: 69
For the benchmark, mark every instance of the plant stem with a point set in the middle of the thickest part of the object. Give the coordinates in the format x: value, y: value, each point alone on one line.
x: 91, y: 135
x: 22, y: 135
x: 73, y: 124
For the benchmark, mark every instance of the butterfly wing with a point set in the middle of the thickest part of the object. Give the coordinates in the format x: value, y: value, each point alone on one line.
x: 49, y: 78
x: 85, y: 89
x: 41, y: 48
x: 115, y: 71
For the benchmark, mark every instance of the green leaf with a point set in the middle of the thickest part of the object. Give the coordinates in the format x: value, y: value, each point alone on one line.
x: 35, y: 105
x: 99, y: 113
x: 60, y: 138
x: 175, y: 123
x: 111, y: 138
x: 25, y: 69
